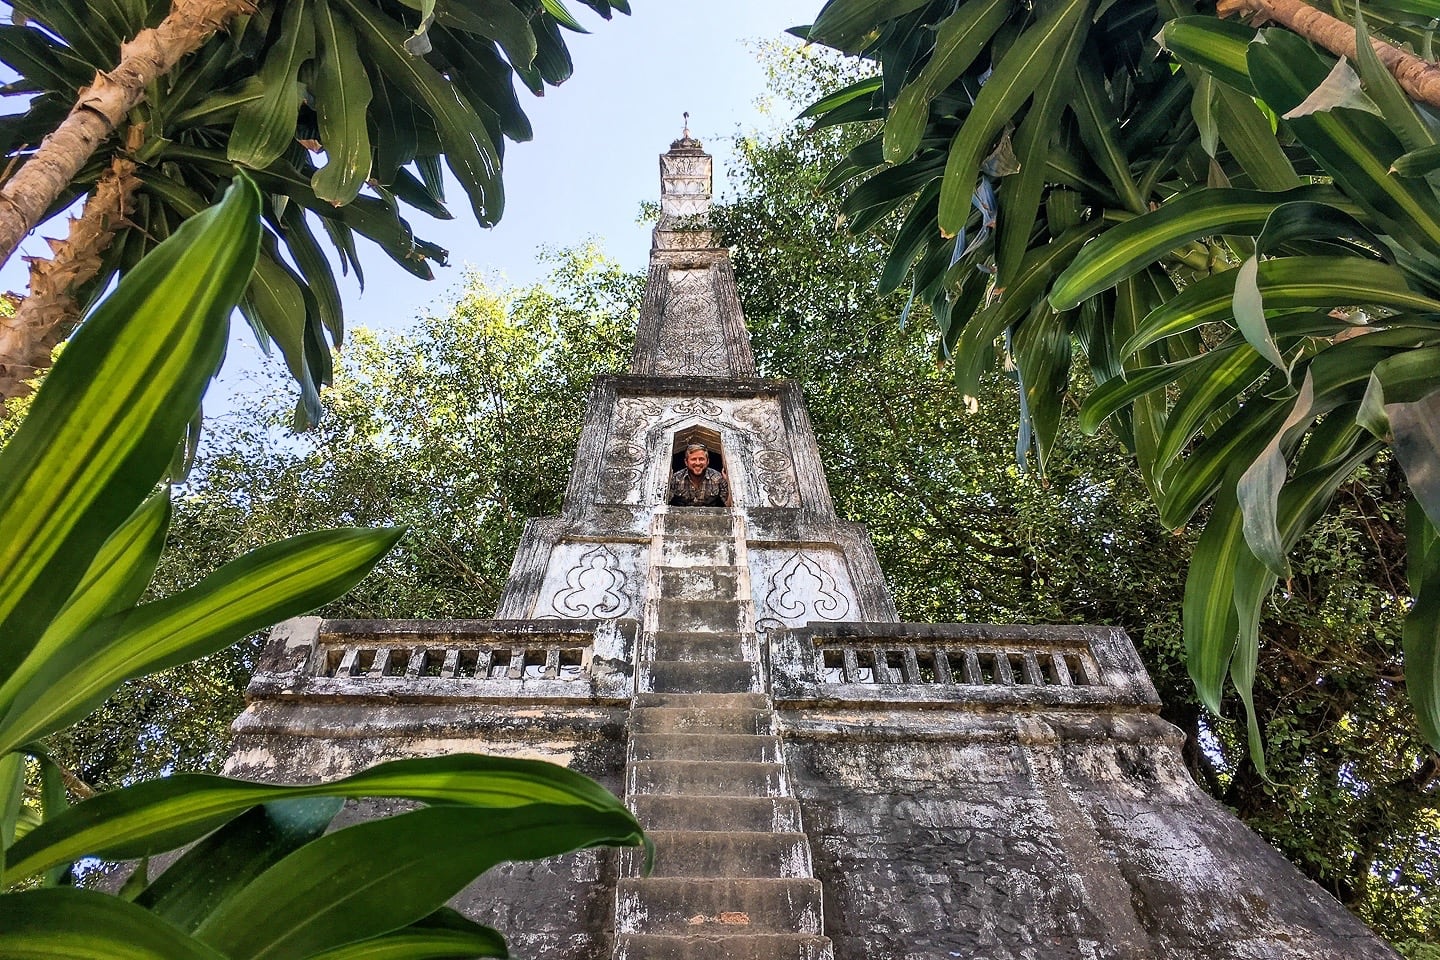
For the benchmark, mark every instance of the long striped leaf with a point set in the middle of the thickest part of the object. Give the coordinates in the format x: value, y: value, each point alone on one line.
x: 159, y: 815
x: 469, y: 151
x: 380, y: 875
x: 1041, y: 263
x: 1208, y: 618
x: 1353, y: 147
x: 1288, y: 283
x: 279, y: 580
x: 1095, y: 119
x: 1258, y: 489
x: 1397, y: 107
x: 1119, y: 392
x: 1421, y: 633
x: 444, y: 935
x: 1301, y: 502
x: 1021, y: 193
x: 1219, y: 382
x: 265, y: 128
x: 66, y: 923
x: 342, y: 97
x: 853, y: 91
x: 103, y: 428
x: 848, y: 24
x: 1011, y: 83
x: 116, y: 579
x: 1219, y: 47
x: 1246, y: 133
x: 958, y: 41
x: 222, y: 864
x: 1143, y: 240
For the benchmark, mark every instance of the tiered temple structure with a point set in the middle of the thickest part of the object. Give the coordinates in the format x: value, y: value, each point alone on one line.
x: 821, y: 780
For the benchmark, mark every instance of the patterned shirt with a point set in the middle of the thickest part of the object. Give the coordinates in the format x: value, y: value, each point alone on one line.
x: 713, y: 490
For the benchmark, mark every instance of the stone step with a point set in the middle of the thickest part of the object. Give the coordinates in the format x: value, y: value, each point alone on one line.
x: 697, y: 552
x: 695, y: 701
x: 700, y: 720
x: 770, y: 946
x: 699, y: 583
x: 703, y: 521
x: 717, y: 907
x: 717, y: 676
x: 728, y: 853
x: 661, y: 812
x: 747, y: 748
x: 699, y: 616
x: 710, y: 778
x: 689, y: 645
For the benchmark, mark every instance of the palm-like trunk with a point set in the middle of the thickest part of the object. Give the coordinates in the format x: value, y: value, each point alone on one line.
x: 1418, y: 77
x: 100, y: 109
x: 50, y: 312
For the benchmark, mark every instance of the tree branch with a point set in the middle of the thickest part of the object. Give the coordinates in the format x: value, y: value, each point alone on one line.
x: 101, y: 107
x: 1417, y: 77
x: 50, y: 312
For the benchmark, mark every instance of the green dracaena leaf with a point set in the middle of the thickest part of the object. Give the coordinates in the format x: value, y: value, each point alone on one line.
x: 1246, y: 133
x: 959, y: 39
x: 274, y: 302
x: 1143, y: 240
x: 1416, y: 429
x: 393, y: 877
x: 66, y: 923
x: 1354, y: 148
x: 1021, y: 193
x: 1394, y: 103
x: 221, y: 865
x: 853, y: 91
x: 1041, y: 264
x: 116, y: 579
x: 1219, y: 47
x: 1421, y: 633
x: 1288, y: 283
x: 158, y: 815
x: 444, y: 935
x: 342, y: 98
x: 1208, y: 616
x: 315, y: 268
x: 1017, y: 75
x: 102, y: 430
x: 265, y: 128
x: 469, y: 151
x: 1258, y: 489
x: 847, y: 24
x: 276, y: 581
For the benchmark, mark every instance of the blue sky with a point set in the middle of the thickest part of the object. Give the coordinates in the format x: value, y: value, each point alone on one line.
x: 592, y: 161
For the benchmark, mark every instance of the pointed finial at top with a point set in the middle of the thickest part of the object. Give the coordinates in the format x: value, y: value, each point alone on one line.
x: 686, y: 143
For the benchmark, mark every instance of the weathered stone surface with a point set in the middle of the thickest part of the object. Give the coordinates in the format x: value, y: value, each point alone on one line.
x: 820, y: 780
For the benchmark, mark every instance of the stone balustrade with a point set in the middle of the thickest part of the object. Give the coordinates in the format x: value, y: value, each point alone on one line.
x: 897, y: 664
x: 534, y: 660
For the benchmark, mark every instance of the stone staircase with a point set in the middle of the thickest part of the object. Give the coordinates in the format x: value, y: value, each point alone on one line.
x: 732, y: 877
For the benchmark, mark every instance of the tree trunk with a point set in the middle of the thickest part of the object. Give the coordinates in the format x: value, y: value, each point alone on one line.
x: 1417, y: 77
x: 50, y: 312
x: 101, y: 107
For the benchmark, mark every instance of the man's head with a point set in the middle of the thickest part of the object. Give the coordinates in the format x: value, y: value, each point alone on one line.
x: 697, y: 458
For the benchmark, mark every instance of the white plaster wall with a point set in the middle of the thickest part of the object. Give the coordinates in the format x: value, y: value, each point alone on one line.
x: 601, y: 581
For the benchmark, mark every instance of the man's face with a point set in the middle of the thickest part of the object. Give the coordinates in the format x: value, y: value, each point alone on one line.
x: 696, y: 461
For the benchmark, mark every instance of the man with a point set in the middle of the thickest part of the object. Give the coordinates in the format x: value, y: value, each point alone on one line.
x: 698, y: 485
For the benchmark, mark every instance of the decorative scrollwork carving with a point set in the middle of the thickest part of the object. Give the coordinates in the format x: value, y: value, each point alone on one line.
x: 802, y: 590
x: 700, y: 407
x: 691, y: 338
x: 594, y: 587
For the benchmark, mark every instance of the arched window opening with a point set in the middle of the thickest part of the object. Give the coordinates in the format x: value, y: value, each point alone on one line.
x: 683, y: 438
